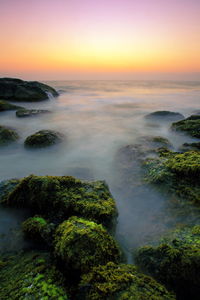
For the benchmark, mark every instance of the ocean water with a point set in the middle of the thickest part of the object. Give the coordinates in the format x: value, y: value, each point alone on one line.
x: 97, y: 119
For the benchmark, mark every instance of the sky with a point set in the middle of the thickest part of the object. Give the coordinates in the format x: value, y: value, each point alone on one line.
x: 100, y: 39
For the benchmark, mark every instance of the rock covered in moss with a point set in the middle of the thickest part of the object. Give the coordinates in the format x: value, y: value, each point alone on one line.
x: 175, y: 261
x: 120, y: 282
x: 6, y: 187
x: 178, y: 172
x: 190, y: 126
x: 20, y: 90
x: 43, y: 138
x: 82, y: 244
x: 58, y: 197
x: 38, y: 229
x: 4, y: 105
x: 22, y: 113
x: 30, y: 275
x: 163, y: 115
x: 7, y: 135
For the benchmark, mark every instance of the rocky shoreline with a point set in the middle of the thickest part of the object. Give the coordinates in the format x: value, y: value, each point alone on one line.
x: 73, y: 253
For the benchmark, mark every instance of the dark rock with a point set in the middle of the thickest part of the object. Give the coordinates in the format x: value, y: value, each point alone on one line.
x: 19, y: 90
x: 164, y: 115
x: 4, y: 105
x: 190, y: 146
x: 21, y: 113
x: 190, y: 126
x: 43, y: 138
x: 7, y: 135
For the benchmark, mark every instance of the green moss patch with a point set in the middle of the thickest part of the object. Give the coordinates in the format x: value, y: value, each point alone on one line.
x: 121, y: 282
x: 190, y: 126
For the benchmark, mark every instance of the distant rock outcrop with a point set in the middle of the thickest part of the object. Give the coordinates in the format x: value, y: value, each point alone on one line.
x: 20, y: 90
x: 164, y: 115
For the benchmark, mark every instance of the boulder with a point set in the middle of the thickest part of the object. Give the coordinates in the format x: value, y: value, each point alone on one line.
x: 43, y: 138
x: 81, y: 244
x: 175, y: 261
x: 20, y: 90
x: 4, y: 105
x: 164, y: 115
x: 189, y: 126
x: 7, y: 135
x: 22, y: 113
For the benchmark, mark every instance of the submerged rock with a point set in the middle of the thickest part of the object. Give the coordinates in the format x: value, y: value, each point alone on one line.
x: 164, y: 115
x: 121, y: 282
x: 30, y: 275
x: 7, y: 135
x: 190, y: 126
x: 59, y: 197
x: 175, y: 261
x: 81, y: 244
x: 20, y: 90
x: 22, y: 113
x: 4, y: 105
x: 43, y: 138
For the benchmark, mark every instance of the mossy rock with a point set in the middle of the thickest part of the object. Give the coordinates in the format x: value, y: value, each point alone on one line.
x: 4, y: 105
x: 175, y: 261
x: 38, y: 229
x: 30, y: 276
x: 177, y: 172
x: 190, y: 126
x: 20, y: 90
x: 59, y: 197
x: 23, y: 113
x: 43, y: 138
x: 163, y: 115
x: 81, y: 244
x: 6, y: 187
x: 7, y: 135
x: 120, y: 282
x: 190, y: 146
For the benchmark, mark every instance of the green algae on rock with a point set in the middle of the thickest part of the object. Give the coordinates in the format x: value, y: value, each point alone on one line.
x: 20, y: 90
x: 175, y: 261
x: 23, y: 113
x: 59, y: 197
x: 82, y: 244
x: 163, y: 115
x: 178, y: 172
x: 43, y: 138
x: 4, y: 105
x: 190, y: 126
x: 38, y: 229
x: 121, y: 282
x: 7, y: 135
x: 30, y: 275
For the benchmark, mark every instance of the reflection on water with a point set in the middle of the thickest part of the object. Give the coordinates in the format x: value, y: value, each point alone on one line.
x: 97, y: 118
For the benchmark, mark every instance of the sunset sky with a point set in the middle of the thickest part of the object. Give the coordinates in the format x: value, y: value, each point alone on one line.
x: 100, y: 39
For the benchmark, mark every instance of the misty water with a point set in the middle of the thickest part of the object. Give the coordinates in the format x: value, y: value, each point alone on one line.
x: 97, y: 119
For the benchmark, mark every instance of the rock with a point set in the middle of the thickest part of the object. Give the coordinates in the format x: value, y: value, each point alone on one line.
x: 81, y: 244
x: 177, y: 172
x: 21, y: 113
x: 19, y: 90
x: 43, y: 138
x: 30, y: 275
x: 7, y: 135
x: 6, y: 187
x: 59, y: 197
x: 120, y: 282
x: 190, y: 146
x: 190, y: 126
x: 4, y: 105
x: 164, y: 115
x: 38, y: 229
x: 175, y: 261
